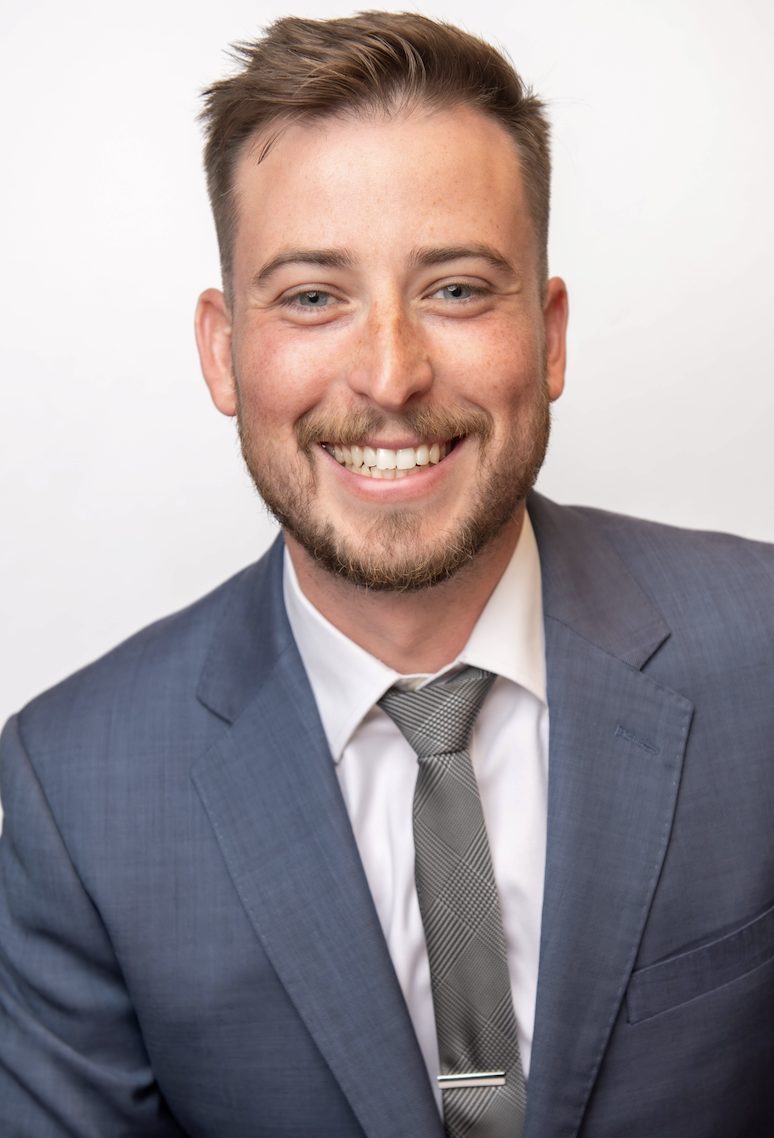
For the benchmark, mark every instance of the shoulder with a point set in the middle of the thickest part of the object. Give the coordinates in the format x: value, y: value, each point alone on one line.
x: 151, y: 680
x: 715, y: 591
x: 663, y: 554
x: 670, y: 561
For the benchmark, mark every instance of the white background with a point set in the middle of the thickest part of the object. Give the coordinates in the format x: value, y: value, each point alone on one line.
x: 123, y: 492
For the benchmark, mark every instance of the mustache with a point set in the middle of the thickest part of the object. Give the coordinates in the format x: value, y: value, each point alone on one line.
x: 433, y: 423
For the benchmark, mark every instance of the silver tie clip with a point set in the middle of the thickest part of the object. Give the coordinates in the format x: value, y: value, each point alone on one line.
x: 471, y: 1079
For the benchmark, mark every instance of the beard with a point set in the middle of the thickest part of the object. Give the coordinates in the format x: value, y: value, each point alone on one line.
x: 393, y: 552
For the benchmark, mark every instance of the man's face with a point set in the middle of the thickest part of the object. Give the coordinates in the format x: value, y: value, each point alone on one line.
x: 389, y: 352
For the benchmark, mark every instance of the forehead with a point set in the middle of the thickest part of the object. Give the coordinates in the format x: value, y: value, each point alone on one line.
x: 420, y: 176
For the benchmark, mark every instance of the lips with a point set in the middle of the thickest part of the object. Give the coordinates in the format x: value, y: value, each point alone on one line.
x: 381, y: 462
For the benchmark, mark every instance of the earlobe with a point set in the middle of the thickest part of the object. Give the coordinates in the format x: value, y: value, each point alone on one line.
x: 555, y: 316
x: 213, y: 339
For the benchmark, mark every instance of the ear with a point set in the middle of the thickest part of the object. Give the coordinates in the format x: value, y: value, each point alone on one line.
x: 555, y: 315
x: 213, y: 339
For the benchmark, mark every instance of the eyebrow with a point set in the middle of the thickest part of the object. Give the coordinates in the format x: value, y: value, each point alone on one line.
x: 324, y: 258
x: 427, y: 257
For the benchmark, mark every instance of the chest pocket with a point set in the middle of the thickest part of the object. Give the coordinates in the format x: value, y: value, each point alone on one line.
x: 701, y: 970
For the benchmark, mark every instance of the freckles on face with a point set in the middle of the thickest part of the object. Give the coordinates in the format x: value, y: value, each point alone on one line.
x: 385, y: 299
x: 501, y: 367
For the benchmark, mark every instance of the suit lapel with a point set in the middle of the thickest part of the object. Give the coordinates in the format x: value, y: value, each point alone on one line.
x: 272, y: 796
x: 616, y: 746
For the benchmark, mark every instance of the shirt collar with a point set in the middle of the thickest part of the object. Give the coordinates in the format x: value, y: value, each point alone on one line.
x: 347, y: 681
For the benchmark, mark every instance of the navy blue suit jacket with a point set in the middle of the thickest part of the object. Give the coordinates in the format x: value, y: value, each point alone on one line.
x: 187, y: 940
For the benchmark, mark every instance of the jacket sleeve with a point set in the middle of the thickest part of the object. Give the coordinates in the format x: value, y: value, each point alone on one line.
x: 72, y: 1058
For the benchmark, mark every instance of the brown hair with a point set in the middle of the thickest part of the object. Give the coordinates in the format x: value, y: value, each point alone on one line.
x: 302, y: 70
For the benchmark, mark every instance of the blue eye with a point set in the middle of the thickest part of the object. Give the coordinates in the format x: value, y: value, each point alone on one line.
x: 312, y: 305
x: 457, y: 291
x: 312, y: 298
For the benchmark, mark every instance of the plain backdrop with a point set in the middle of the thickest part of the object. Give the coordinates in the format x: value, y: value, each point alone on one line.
x: 123, y: 492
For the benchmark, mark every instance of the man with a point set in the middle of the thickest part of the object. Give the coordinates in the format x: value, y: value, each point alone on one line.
x: 246, y: 884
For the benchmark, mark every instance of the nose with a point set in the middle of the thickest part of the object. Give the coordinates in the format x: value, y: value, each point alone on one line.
x: 392, y: 363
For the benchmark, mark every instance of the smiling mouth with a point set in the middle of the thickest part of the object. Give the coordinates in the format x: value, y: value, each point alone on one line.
x: 381, y: 462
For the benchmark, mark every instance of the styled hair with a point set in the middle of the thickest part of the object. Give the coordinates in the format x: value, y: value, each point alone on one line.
x: 375, y: 62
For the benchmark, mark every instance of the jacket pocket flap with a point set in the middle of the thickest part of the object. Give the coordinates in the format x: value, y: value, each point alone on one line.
x: 680, y: 978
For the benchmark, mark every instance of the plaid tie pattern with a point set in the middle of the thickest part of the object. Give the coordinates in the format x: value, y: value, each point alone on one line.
x: 460, y: 909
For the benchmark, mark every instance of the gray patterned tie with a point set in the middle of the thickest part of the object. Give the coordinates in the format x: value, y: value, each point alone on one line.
x: 484, y: 1092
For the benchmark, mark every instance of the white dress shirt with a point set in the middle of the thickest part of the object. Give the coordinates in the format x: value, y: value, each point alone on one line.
x: 377, y: 770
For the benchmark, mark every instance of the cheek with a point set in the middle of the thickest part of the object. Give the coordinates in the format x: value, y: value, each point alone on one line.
x: 498, y: 372
x: 502, y: 340
x: 279, y: 377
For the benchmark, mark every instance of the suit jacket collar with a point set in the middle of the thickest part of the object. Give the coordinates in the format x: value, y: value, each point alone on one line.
x: 587, y: 587
x: 251, y: 634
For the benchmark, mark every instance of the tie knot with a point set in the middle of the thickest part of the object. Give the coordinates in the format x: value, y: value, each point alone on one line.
x: 438, y: 719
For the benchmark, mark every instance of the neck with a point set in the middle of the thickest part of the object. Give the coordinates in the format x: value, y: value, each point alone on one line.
x: 411, y: 632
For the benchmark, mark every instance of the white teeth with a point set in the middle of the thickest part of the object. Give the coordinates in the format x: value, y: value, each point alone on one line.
x: 382, y: 462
